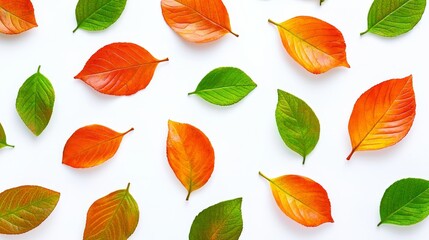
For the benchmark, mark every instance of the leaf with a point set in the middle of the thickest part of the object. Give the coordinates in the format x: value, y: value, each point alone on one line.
x: 119, y: 69
x: 114, y: 216
x: 298, y: 125
x: 314, y: 44
x: 26, y: 207
x: 190, y: 155
x: 405, y: 202
x: 391, y: 18
x: 91, y: 146
x: 222, y: 221
x: 35, y: 102
x: 197, y: 21
x: 383, y: 115
x: 3, y: 142
x: 98, y: 15
x: 224, y: 86
x: 302, y: 199
x: 16, y: 16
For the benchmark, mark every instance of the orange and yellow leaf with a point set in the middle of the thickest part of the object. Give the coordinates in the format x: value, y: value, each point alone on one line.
x: 16, y: 16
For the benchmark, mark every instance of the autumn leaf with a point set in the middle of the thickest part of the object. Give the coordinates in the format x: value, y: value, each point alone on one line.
x: 190, y: 155
x: 383, y: 115
x: 35, y: 102
x: 3, y: 142
x: 16, y: 16
x: 91, y: 146
x: 119, y: 69
x: 314, y: 44
x: 405, y: 202
x: 222, y: 221
x: 197, y: 21
x: 391, y: 18
x: 302, y: 199
x: 98, y: 15
x: 26, y: 207
x: 224, y: 86
x: 114, y: 216
x: 298, y: 125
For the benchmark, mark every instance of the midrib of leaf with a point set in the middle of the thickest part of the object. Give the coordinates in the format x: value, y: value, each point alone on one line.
x: 385, y: 17
x: 375, y: 124
x: 25, y: 207
x: 127, y: 68
x: 301, y: 39
x: 208, y: 19
x: 118, y: 207
x: 219, y: 88
x: 17, y: 16
x: 92, y: 14
x: 399, y: 209
x: 287, y: 193
x: 222, y: 224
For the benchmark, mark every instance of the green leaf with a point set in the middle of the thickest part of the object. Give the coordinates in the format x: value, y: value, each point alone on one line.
x: 297, y: 124
x: 405, y: 202
x: 3, y: 142
x: 96, y: 15
x: 222, y: 221
x: 224, y: 86
x: 390, y: 18
x: 35, y: 102
x: 26, y: 207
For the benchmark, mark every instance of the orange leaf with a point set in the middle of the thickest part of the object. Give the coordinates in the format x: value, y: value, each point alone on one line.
x: 114, y: 216
x: 383, y: 115
x: 91, y: 146
x: 302, y: 199
x: 316, y: 45
x: 197, y: 21
x: 16, y: 16
x: 190, y: 155
x: 119, y: 69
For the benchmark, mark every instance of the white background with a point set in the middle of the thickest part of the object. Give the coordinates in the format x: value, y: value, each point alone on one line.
x: 244, y: 136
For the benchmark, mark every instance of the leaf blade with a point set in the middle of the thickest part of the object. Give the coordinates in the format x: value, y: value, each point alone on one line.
x: 383, y: 115
x: 197, y: 21
x: 26, y: 207
x: 190, y: 155
x: 91, y: 146
x: 16, y: 16
x: 35, y: 102
x: 98, y: 15
x: 119, y: 69
x: 314, y: 44
x: 225, y: 86
x: 222, y: 221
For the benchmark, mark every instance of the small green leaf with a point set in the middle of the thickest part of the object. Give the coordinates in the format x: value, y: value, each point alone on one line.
x: 297, y: 124
x: 224, y: 86
x: 96, y: 15
x: 222, y: 221
x: 391, y: 18
x: 405, y: 202
x: 3, y: 142
x: 35, y: 102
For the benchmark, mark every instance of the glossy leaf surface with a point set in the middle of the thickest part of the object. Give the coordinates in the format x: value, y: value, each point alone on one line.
x: 225, y: 86
x: 302, y: 199
x: 197, y: 21
x: 119, y: 69
x: 98, y: 15
x: 298, y: 125
x: 91, y: 146
x: 3, y: 142
x: 314, y: 44
x: 190, y: 155
x: 16, y: 16
x: 222, y: 221
x: 383, y: 115
x: 26, y: 207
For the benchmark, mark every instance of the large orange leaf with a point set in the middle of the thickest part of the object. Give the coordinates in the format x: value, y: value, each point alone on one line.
x: 383, y: 115
x: 119, y: 69
x: 91, y: 145
x: 16, y: 16
x: 314, y: 44
x: 190, y: 155
x: 114, y: 216
x: 197, y: 21
x: 302, y: 199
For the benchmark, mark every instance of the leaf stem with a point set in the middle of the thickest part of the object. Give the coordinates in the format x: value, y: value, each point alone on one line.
x: 351, y: 154
x: 128, y: 187
x: 381, y: 222
x: 131, y: 129
x: 8, y: 145
x: 262, y: 175
x: 362, y: 33
x: 233, y: 33
x: 191, y: 93
x: 189, y: 194
x: 38, y: 69
x: 303, y: 160
x: 163, y: 60
x: 272, y: 22
x: 76, y: 29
